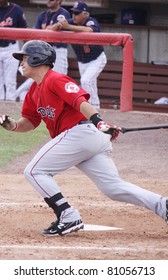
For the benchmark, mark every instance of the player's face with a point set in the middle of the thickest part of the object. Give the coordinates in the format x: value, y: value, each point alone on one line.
x: 79, y: 18
x: 52, y: 4
x: 26, y: 69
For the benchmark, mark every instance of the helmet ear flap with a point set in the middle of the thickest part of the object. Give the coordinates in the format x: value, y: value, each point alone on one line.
x: 36, y: 60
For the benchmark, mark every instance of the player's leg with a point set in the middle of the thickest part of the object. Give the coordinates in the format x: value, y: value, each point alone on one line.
x: 10, y: 72
x: 59, y: 154
x: 102, y: 171
x: 89, y: 73
x: 61, y: 63
x: 49, y: 161
x: 62, y: 152
x: 88, y: 82
x: 2, y: 83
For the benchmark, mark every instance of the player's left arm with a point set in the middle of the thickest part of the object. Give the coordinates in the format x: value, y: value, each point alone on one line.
x: 64, y: 25
x: 21, y: 125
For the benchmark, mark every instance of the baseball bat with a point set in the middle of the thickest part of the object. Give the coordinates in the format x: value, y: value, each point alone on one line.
x: 129, y: 129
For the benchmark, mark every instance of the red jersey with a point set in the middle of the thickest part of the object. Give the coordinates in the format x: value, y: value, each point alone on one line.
x: 56, y: 101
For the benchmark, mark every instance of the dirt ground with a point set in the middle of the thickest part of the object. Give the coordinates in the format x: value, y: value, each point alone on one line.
x: 141, y: 158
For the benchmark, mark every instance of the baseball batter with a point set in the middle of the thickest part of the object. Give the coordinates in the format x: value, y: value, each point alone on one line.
x: 11, y: 15
x: 79, y: 137
x: 91, y: 58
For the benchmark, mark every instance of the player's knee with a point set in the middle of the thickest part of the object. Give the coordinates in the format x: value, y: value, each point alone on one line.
x: 31, y: 171
x: 27, y: 172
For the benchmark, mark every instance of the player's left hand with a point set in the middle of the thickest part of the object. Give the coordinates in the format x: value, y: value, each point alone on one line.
x: 8, y: 123
x: 113, y: 130
x: 64, y: 24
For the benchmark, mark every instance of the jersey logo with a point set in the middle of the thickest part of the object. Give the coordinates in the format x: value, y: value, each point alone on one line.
x: 46, y: 112
x: 71, y: 87
x: 90, y: 23
x: 61, y: 18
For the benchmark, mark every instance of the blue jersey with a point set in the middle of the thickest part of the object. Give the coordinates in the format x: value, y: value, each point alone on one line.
x: 87, y: 53
x: 11, y: 16
x: 49, y: 18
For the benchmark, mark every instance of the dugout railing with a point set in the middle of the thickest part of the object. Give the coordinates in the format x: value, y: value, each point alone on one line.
x: 123, y: 40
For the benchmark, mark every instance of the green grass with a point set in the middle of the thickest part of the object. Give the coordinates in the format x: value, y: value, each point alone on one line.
x: 14, y: 144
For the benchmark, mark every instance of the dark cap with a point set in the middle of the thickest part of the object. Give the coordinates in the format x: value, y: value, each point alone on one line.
x: 79, y: 7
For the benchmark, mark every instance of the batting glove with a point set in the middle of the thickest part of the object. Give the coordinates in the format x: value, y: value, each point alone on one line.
x: 8, y: 123
x: 113, y: 130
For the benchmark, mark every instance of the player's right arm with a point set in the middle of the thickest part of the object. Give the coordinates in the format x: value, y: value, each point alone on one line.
x: 92, y: 114
x: 21, y: 125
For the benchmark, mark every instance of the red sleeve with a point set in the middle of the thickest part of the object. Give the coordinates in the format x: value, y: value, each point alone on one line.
x: 69, y: 91
x: 79, y: 101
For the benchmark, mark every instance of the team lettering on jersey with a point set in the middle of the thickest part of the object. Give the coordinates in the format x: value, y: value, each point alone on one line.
x: 47, y: 112
x: 7, y: 22
x: 86, y: 48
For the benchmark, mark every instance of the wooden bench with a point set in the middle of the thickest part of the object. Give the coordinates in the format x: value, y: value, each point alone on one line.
x: 150, y: 82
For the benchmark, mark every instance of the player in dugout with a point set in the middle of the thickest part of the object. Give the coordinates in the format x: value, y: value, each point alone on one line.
x: 11, y: 16
x: 91, y: 58
x: 44, y: 21
x: 79, y: 137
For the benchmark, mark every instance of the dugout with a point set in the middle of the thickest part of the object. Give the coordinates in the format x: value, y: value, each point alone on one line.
x: 150, y: 36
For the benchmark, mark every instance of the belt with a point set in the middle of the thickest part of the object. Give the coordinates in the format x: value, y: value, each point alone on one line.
x: 84, y: 122
x: 6, y: 44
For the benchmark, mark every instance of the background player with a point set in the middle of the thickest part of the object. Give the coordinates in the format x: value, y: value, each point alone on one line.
x: 11, y: 15
x: 45, y: 20
x: 79, y: 138
x: 91, y: 58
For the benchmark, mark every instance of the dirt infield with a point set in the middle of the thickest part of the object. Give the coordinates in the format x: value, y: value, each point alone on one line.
x: 141, y: 158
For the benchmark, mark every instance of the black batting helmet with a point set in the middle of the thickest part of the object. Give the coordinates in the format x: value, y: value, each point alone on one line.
x: 40, y: 53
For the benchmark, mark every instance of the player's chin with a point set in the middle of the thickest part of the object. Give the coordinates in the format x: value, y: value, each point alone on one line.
x: 25, y: 73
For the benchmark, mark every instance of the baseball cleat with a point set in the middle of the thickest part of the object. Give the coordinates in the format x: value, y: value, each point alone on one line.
x: 59, y: 228
x: 166, y: 219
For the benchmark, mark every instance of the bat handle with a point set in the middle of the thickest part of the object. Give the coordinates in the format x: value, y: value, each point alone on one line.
x: 122, y: 129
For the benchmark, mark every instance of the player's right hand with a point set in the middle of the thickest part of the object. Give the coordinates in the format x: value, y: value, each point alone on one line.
x: 113, y: 130
x: 7, y: 122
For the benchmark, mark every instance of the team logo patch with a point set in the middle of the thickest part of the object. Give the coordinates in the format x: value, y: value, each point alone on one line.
x: 75, y: 5
x: 60, y: 18
x: 90, y: 23
x: 71, y: 88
